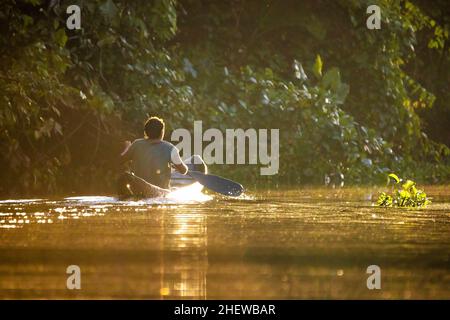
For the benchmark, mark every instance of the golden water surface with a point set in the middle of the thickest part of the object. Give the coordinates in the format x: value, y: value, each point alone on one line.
x: 280, y: 244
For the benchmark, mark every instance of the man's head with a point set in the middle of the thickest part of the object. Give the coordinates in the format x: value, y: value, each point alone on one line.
x: 154, y: 128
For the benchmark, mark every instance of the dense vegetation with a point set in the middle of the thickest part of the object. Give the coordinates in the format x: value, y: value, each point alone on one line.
x: 348, y: 101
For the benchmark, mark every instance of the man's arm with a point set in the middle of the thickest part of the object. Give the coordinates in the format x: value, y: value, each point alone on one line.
x: 181, y: 168
x: 127, y: 146
x: 177, y: 162
x: 126, y: 154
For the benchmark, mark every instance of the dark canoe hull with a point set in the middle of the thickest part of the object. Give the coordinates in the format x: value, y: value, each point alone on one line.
x: 137, y: 188
x: 133, y: 187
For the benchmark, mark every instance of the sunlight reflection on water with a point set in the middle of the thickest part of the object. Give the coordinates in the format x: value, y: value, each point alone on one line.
x: 89, y: 206
x: 299, y: 243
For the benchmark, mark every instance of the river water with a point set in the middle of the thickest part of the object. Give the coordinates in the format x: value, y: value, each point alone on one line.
x: 277, y: 244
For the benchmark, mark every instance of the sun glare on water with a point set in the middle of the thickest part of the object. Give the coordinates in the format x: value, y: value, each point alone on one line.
x: 15, y: 213
x: 192, y: 193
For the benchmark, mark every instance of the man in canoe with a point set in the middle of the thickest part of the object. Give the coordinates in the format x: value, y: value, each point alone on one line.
x: 151, y: 161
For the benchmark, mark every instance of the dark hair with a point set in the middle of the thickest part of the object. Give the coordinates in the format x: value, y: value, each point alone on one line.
x: 154, y: 128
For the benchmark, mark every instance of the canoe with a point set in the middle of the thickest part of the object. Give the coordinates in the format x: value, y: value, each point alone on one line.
x: 132, y: 186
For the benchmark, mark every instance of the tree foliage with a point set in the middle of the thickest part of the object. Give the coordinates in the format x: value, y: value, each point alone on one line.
x: 347, y: 100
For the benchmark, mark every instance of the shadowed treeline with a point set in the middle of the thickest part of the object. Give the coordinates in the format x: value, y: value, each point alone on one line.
x: 347, y: 100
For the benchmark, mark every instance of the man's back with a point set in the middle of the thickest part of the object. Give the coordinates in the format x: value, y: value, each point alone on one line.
x: 151, y: 161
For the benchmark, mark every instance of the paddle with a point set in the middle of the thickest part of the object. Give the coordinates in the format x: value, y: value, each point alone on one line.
x: 217, y: 184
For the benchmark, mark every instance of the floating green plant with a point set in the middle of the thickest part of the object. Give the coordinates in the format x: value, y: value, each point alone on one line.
x: 407, y: 196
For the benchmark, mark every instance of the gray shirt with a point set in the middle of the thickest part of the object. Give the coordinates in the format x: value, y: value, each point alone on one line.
x: 150, y: 160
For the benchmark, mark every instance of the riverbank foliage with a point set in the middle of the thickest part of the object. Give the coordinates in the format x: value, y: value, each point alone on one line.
x: 348, y: 101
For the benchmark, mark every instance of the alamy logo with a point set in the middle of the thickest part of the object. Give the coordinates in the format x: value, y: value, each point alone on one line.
x: 374, y: 20
x: 74, y: 280
x: 374, y: 280
x: 231, y: 149
x: 74, y: 20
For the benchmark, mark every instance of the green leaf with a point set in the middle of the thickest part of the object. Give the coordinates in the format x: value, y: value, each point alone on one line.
x: 408, y: 184
x: 384, y: 200
x: 108, y: 9
x: 317, y: 67
x: 332, y: 79
x: 106, y: 41
x: 61, y: 37
x: 342, y: 93
x: 27, y: 20
x: 395, y: 177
